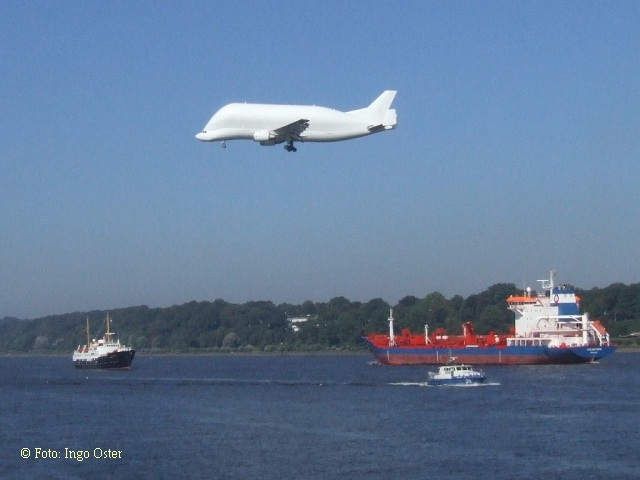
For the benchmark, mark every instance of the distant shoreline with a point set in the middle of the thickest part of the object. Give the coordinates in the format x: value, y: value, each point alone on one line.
x: 316, y: 353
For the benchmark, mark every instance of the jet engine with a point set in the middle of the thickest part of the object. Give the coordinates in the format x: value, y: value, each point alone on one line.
x: 265, y: 137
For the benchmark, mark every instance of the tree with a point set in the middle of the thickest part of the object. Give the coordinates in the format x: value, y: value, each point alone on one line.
x: 338, y: 323
x: 231, y: 340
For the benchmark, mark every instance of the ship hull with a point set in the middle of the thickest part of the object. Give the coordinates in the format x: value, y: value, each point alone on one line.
x: 530, y: 355
x: 455, y: 381
x: 112, y: 361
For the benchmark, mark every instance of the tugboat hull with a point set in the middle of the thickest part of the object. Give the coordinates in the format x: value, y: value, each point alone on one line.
x: 114, y: 361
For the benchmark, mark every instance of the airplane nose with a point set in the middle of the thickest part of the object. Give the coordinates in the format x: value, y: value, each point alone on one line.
x: 202, y: 135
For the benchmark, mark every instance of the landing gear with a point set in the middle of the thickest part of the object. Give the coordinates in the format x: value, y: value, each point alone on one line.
x: 223, y: 145
x: 289, y: 146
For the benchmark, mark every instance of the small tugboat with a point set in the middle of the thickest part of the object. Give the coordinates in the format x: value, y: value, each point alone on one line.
x: 452, y: 374
x: 104, y: 353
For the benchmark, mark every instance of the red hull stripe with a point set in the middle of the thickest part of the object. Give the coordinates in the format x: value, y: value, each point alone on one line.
x: 489, y: 356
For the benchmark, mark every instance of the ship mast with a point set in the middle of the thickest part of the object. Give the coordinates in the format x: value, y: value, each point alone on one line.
x: 392, y: 341
x: 108, y: 334
x: 88, y: 335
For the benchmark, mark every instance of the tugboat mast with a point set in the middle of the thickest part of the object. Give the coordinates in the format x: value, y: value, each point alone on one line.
x: 108, y: 334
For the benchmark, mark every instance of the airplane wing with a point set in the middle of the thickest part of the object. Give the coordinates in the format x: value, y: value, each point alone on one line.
x: 293, y: 130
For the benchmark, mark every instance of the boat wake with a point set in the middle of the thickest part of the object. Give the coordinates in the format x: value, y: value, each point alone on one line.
x: 457, y: 385
x: 408, y: 384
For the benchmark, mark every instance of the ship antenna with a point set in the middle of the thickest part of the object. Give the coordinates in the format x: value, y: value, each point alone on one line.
x: 548, y: 284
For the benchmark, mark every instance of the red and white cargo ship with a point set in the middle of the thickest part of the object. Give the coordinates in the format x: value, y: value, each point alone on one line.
x: 549, y: 329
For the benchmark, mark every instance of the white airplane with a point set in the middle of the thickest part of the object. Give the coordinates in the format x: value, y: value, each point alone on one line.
x: 273, y: 124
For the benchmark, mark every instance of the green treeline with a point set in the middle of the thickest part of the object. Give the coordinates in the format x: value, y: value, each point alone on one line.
x: 262, y: 326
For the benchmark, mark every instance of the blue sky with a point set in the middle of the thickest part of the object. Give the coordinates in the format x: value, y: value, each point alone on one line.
x: 517, y: 150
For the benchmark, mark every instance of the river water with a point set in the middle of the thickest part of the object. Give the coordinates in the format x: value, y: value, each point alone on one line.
x: 316, y: 417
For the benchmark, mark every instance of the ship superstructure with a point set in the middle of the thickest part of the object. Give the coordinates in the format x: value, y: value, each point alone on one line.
x: 552, y: 319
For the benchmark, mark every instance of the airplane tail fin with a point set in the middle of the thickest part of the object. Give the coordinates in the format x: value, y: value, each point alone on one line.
x: 378, y: 113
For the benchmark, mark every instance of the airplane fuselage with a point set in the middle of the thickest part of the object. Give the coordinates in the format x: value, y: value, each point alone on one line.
x: 272, y: 124
x: 241, y: 121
